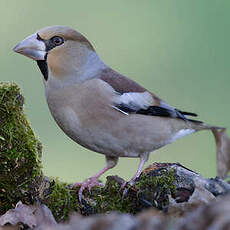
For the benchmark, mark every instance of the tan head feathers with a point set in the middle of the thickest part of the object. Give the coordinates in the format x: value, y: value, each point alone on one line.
x: 65, y: 32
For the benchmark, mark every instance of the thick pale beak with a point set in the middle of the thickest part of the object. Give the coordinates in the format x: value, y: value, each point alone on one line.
x: 32, y: 47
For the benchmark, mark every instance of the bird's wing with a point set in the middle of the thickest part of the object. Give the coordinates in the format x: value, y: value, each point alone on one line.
x: 133, y: 98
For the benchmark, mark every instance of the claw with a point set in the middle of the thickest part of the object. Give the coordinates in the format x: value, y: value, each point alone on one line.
x: 123, y: 186
x: 90, y: 186
x: 89, y: 183
x: 124, y: 193
x: 143, y: 159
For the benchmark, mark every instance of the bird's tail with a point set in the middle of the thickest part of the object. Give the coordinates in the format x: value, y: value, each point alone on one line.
x: 199, y: 125
x: 222, y: 146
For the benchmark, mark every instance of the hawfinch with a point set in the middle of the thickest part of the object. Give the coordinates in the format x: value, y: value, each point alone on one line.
x: 98, y: 107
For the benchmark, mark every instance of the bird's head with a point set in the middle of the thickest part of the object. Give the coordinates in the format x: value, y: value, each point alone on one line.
x: 61, y: 51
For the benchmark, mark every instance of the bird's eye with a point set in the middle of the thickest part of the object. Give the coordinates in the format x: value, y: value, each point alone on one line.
x: 57, y: 40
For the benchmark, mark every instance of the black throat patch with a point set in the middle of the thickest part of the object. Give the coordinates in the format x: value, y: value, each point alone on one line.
x: 42, y: 64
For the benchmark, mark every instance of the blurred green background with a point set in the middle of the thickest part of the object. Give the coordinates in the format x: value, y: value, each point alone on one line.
x: 177, y: 49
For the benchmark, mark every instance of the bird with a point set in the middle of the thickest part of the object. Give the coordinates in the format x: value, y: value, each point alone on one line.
x: 99, y: 108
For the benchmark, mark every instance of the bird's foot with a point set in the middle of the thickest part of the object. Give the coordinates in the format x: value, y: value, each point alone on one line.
x: 89, y: 183
x: 125, y: 187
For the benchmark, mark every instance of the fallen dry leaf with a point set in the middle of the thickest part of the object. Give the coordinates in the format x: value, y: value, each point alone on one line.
x: 28, y: 215
x: 222, y: 152
x: 21, y: 214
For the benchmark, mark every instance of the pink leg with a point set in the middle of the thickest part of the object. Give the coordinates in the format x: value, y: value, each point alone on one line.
x: 93, y: 181
x: 143, y: 159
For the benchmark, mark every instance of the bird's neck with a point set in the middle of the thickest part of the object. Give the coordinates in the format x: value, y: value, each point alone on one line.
x: 91, y: 68
x: 77, y: 73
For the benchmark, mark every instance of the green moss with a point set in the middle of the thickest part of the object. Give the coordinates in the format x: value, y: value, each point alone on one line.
x: 110, y: 198
x: 156, y: 186
x: 61, y: 200
x: 151, y: 190
x: 19, y: 149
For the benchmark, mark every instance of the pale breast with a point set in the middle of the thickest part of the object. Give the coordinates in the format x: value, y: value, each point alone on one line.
x: 84, y: 112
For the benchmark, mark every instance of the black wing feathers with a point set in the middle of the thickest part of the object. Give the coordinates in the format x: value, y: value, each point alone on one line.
x: 155, y: 111
x: 187, y: 113
x: 130, y: 106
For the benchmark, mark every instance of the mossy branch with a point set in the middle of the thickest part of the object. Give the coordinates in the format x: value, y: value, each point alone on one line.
x: 20, y: 163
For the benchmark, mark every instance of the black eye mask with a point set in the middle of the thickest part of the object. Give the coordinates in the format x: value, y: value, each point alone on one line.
x: 49, y: 44
x: 42, y: 64
x: 52, y: 42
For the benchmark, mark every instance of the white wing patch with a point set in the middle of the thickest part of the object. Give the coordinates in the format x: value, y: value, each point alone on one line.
x: 136, y: 100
